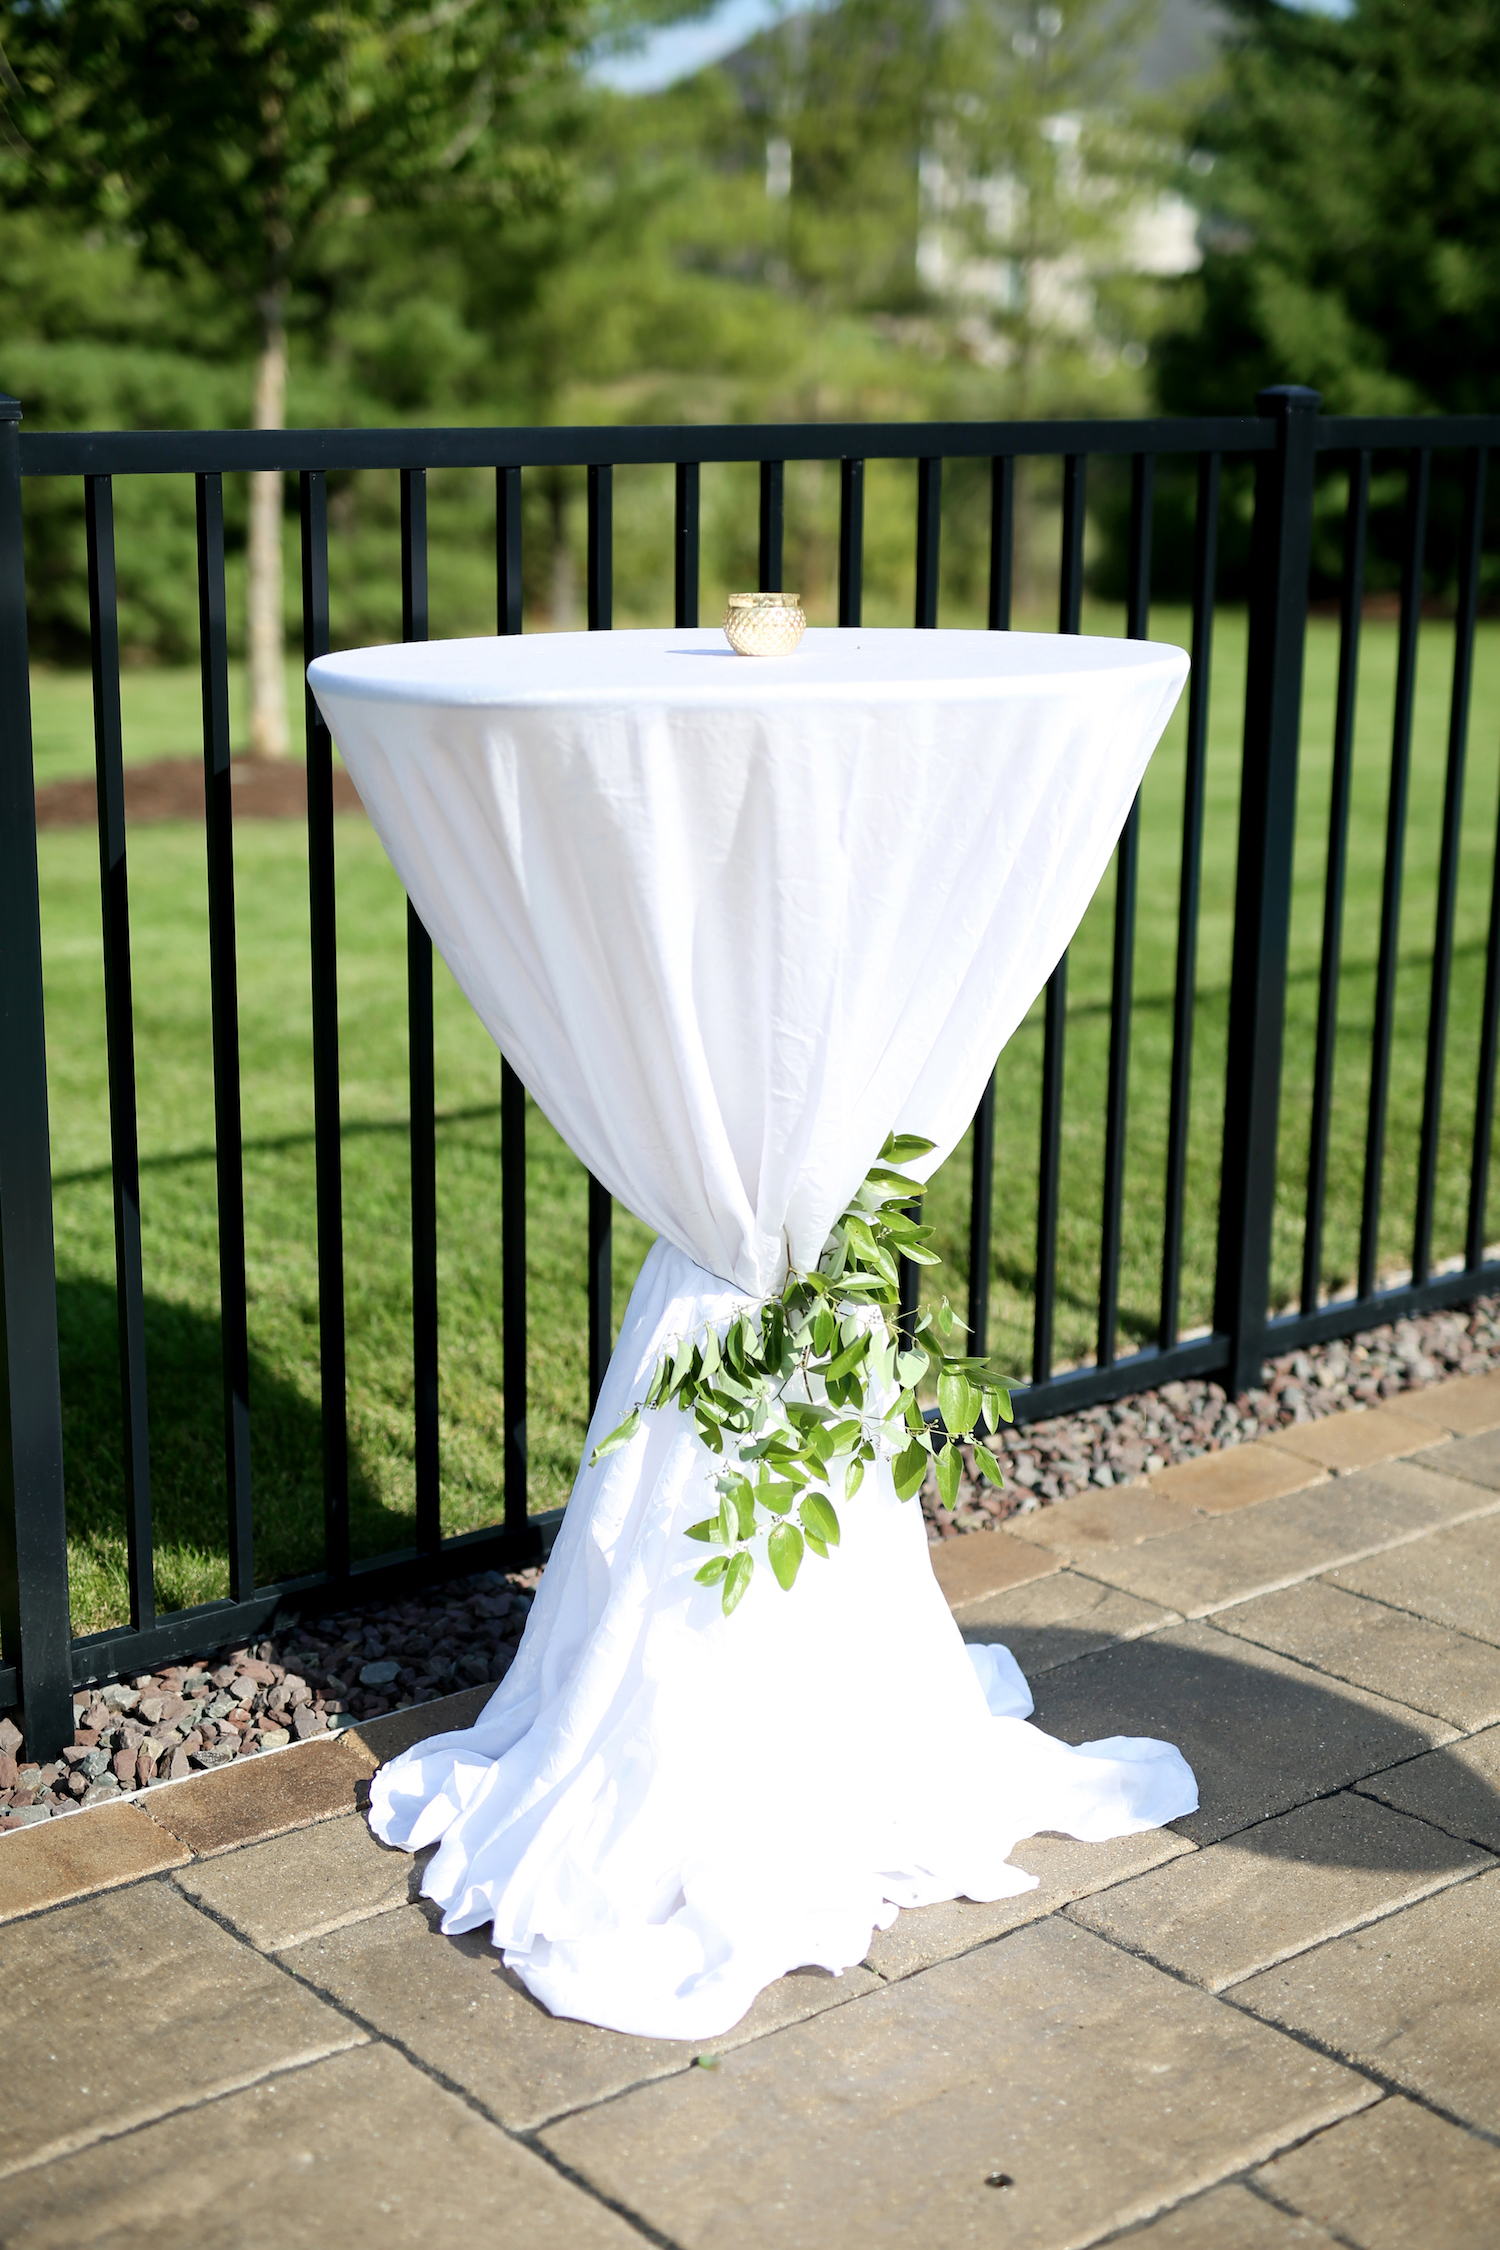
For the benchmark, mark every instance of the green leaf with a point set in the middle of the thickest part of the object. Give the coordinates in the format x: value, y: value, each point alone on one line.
x: 901, y: 1148
x: 818, y: 1518
x: 818, y: 1546
x: 779, y: 1498
x: 957, y: 1402
x: 849, y: 1358
x: 988, y: 1465
x: 911, y: 1368
x: 743, y: 1499
x: 617, y: 1438
x: 736, y: 1578
x: 825, y: 1328
x: 785, y: 1546
x: 707, y: 1531
x: 729, y: 1521
x: 712, y: 1356
x: 854, y: 1477
x: 881, y: 1175
x: 713, y: 1570
x: 909, y: 1468
x: 948, y: 1466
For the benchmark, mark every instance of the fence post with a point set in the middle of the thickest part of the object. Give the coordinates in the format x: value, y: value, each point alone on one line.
x: 1281, y: 552
x: 34, y: 1624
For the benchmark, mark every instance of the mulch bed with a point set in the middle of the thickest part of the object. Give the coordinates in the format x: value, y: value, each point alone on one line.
x: 172, y: 789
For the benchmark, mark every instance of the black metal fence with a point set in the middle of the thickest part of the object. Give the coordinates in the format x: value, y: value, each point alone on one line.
x: 1283, y: 442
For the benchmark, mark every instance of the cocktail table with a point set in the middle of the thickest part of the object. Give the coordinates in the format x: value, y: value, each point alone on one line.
x: 734, y: 921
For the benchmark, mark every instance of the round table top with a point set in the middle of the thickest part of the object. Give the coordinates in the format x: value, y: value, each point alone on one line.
x: 698, y: 667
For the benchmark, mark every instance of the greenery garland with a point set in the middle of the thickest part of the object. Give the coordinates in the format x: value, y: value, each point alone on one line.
x: 820, y: 1377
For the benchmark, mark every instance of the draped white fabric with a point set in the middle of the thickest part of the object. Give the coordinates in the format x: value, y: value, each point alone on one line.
x: 732, y: 921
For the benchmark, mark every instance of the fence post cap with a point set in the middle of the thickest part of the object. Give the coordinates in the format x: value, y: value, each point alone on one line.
x: 1288, y: 398
x: 10, y: 408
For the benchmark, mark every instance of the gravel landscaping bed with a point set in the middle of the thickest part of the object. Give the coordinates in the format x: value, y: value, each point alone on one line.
x: 316, y: 1676
x: 329, y: 1672
x: 1108, y: 1445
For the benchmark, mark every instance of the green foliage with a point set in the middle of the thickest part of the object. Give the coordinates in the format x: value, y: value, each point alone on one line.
x: 1351, y: 212
x: 820, y: 1377
x: 227, y: 135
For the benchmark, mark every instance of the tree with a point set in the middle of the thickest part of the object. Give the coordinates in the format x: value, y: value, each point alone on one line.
x: 228, y: 137
x: 973, y: 167
x: 1349, y: 174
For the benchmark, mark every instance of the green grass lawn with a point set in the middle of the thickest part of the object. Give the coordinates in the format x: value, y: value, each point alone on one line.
x: 175, y: 1085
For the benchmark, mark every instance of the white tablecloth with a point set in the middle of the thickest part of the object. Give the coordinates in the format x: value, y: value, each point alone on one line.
x: 733, y: 921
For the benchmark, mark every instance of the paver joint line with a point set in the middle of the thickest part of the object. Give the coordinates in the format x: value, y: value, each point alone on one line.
x: 74, y: 2144
x: 373, y: 2034
x: 1395, y: 2088
x: 1325, y: 1672
x: 210, y: 1841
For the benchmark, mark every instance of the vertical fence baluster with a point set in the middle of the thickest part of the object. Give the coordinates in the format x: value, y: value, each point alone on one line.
x: 1185, y: 987
x: 981, y: 1185
x: 1351, y: 610
x: 1127, y: 869
x: 1453, y: 813
x: 601, y: 1211
x: 601, y: 1287
x: 327, y: 1134
x: 601, y: 547
x: 423, y: 1087
x: 929, y: 533
x: 512, y: 1097
x: 1002, y: 539
x: 1281, y: 558
x: 507, y: 551
x: 1484, y: 1092
x: 1049, y: 1171
x: 214, y: 658
x: 119, y: 1024
x: 513, y: 1293
x: 685, y: 544
x: 851, y: 540
x: 981, y: 1199
x: 1069, y: 619
x: 36, y: 1633
x: 772, y: 523
x: 1074, y: 516
x: 1395, y: 850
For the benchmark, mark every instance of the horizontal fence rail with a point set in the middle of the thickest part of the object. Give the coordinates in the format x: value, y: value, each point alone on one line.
x: 1282, y: 449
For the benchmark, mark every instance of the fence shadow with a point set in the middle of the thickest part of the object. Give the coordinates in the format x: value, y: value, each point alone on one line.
x: 183, y: 1351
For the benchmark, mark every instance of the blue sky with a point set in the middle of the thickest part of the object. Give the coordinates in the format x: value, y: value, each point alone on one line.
x: 677, y: 51
x: 680, y: 49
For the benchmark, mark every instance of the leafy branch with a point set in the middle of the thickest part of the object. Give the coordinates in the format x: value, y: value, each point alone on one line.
x: 816, y: 1383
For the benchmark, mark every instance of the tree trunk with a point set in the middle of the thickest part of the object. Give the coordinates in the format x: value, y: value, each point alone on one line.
x: 267, y: 646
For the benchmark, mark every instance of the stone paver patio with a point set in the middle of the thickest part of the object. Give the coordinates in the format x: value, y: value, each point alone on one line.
x: 225, y: 2020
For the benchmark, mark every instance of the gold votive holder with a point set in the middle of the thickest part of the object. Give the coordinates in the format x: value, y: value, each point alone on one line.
x: 764, y: 624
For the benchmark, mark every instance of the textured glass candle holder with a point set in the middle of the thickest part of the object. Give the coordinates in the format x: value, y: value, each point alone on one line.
x: 764, y: 624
